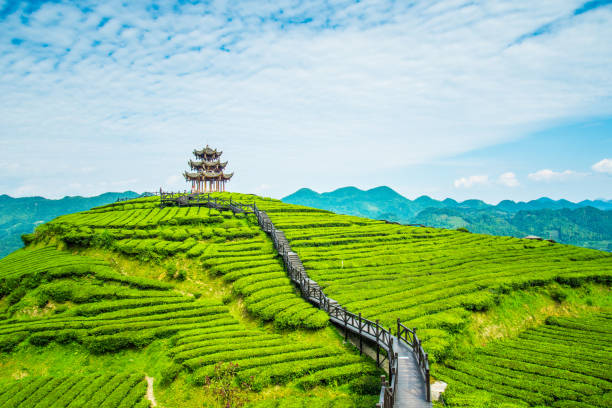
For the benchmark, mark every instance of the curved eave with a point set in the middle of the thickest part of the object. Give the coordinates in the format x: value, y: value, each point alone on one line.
x: 207, y: 175
x: 207, y: 165
x: 207, y: 152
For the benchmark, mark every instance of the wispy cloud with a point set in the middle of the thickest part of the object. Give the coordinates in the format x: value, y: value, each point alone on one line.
x: 471, y: 181
x: 131, y: 88
x: 548, y: 175
x: 559, y: 22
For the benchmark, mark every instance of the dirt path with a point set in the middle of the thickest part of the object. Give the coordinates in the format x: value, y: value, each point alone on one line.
x: 150, y: 395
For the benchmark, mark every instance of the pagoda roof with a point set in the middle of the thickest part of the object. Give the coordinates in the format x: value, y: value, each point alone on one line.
x: 207, y: 164
x: 207, y: 151
x: 209, y: 174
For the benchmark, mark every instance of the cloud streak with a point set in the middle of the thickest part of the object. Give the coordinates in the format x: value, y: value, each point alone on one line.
x: 548, y: 175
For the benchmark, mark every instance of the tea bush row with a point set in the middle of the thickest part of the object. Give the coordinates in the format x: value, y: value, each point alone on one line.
x: 541, y: 370
x: 124, y: 390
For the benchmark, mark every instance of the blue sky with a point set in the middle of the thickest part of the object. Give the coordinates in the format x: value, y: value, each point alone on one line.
x: 485, y: 99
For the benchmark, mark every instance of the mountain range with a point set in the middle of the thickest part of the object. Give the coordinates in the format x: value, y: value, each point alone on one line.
x: 21, y: 215
x: 586, y: 223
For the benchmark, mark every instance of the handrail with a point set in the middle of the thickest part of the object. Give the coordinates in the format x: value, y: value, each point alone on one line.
x: 311, y: 291
x: 201, y: 199
x: 411, y: 338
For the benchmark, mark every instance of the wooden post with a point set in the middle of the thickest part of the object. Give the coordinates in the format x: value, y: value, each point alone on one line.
x: 398, y: 329
x: 360, y: 338
x: 427, y: 379
x: 377, y: 344
x: 345, y: 318
x: 390, y: 351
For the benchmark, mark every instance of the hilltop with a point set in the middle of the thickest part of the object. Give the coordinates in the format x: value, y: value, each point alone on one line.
x: 587, y: 223
x: 128, y: 289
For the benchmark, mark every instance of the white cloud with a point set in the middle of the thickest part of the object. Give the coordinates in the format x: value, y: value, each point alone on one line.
x: 603, y: 166
x: 471, y: 181
x: 508, y: 179
x: 548, y: 175
x: 362, y: 78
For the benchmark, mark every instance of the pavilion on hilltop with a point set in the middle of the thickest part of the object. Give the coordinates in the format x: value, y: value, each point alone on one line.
x: 207, y: 171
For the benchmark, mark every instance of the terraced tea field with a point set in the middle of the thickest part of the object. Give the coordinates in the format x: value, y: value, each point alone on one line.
x: 565, y: 363
x: 436, y: 280
x: 228, y: 245
x: 123, y: 390
x: 429, y: 278
x: 55, y: 300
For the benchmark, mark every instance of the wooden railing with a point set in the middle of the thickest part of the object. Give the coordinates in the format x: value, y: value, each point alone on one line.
x: 366, y: 329
x: 411, y: 338
x: 145, y: 194
x: 169, y: 199
x: 370, y: 331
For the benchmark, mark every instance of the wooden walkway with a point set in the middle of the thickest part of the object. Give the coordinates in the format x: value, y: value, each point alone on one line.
x: 408, y: 385
x: 410, y: 391
x: 408, y: 364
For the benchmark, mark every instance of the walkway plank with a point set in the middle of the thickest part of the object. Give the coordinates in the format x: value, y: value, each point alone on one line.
x: 410, y: 391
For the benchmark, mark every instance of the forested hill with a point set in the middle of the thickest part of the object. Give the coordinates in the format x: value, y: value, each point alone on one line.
x: 21, y: 215
x: 588, y: 226
x: 586, y: 223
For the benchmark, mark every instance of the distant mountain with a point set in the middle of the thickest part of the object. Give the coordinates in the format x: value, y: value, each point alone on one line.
x: 586, y: 223
x: 21, y: 215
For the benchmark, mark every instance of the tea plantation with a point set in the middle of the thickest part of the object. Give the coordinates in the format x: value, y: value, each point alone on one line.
x: 57, y: 301
x: 130, y: 290
x: 565, y: 363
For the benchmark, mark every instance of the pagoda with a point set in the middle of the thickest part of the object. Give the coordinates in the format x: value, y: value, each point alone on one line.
x: 207, y: 171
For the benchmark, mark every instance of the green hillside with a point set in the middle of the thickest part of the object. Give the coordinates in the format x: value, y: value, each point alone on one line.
x: 564, y: 363
x: 169, y: 294
x: 130, y: 289
x: 21, y: 215
x: 587, y: 226
x: 587, y: 223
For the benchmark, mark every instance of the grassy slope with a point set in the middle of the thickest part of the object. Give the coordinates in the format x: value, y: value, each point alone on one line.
x: 97, y: 314
x: 467, y: 293
x: 463, y: 291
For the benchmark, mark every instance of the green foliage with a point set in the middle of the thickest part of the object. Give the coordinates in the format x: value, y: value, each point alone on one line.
x: 566, y: 361
x: 169, y: 374
x: 558, y: 294
x: 365, y: 385
x: 115, y: 390
x: 589, y: 227
x: 27, y: 239
x: 223, y: 385
x: 20, y: 216
x: 429, y: 278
